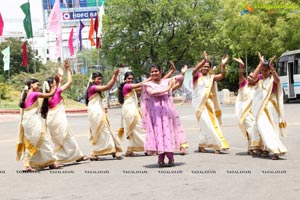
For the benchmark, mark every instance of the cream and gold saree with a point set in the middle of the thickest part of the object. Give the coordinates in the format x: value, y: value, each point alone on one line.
x: 268, y: 111
x: 66, y: 147
x: 32, y: 140
x: 208, y: 113
x: 132, y: 121
x: 243, y: 110
x: 103, y: 140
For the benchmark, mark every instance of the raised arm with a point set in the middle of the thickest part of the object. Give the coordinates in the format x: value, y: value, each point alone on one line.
x: 242, y: 78
x: 179, y: 82
x: 259, y: 66
x: 219, y: 77
x: 110, y: 83
x: 273, y: 70
x: 200, y: 64
x: 69, y: 82
x: 138, y: 85
x: 47, y: 95
x: 171, y: 71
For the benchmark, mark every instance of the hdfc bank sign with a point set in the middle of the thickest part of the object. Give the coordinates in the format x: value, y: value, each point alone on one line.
x: 73, y: 15
x: 66, y: 16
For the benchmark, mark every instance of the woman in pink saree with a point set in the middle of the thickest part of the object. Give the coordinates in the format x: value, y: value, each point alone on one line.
x: 160, y: 119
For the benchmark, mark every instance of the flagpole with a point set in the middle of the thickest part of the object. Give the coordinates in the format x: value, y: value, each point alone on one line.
x: 98, y: 52
x: 33, y: 55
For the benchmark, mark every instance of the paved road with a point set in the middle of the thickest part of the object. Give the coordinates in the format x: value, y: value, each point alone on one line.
x: 233, y: 175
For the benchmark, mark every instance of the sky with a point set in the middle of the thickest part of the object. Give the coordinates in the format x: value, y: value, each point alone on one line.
x: 13, y: 15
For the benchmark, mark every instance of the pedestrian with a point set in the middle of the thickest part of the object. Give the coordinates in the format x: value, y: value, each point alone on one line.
x: 33, y: 143
x: 268, y: 110
x: 104, y: 141
x: 243, y: 108
x: 53, y: 111
x: 205, y: 101
x: 131, y: 116
x: 159, y: 116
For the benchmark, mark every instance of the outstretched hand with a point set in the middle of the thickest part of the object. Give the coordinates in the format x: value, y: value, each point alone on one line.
x: 205, y: 56
x: 240, y: 61
x: 172, y: 66
x: 261, y: 58
x: 67, y: 65
x: 184, y: 69
x: 116, y: 72
x: 225, y: 59
x: 272, y: 68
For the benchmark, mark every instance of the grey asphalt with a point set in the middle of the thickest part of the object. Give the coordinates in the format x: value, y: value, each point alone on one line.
x: 232, y: 175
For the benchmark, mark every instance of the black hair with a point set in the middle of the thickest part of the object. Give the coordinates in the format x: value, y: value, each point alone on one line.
x: 94, y: 75
x: 120, y: 88
x: 208, y: 63
x: 45, y: 105
x: 266, y: 64
x: 155, y: 66
x: 25, y: 91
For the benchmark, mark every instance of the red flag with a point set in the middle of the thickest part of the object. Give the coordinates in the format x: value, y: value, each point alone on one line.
x: 24, y: 55
x: 1, y: 25
x: 91, y: 32
x: 98, y: 43
x: 70, y: 41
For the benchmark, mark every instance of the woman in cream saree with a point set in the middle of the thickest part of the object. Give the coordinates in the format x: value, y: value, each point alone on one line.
x: 53, y: 110
x: 103, y: 140
x: 131, y: 116
x: 268, y: 111
x: 243, y: 108
x: 205, y: 101
x: 32, y: 143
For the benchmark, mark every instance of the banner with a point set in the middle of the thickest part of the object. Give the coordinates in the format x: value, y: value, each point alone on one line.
x: 6, y: 58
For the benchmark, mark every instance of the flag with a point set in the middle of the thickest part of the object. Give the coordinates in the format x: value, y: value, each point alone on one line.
x: 81, y: 26
x: 54, y: 20
x: 6, y: 58
x: 101, y: 13
x: 58, y: 45
x: 65, y: 3
x: 24, y: 55
x: 1, y: 25
x: 27, y: 20
x: 91, y: 32
x: 96, y: 24
x: 70, y: 42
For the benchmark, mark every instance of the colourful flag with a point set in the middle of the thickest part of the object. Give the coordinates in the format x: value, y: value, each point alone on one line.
x: 24, y: 55
x: 91, y: 32
x: 27, y: 20
x: 96, y: 24
x: 101, y: 13
x: 54, y: 20
x: 1, y: 25
x: 70, y: 42
x: 58, y: 45
x: 6, y: 58
x: 81, y: 26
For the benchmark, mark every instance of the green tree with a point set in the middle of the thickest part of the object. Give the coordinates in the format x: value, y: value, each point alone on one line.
x: 141, y: 32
